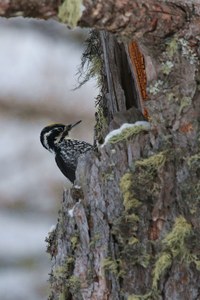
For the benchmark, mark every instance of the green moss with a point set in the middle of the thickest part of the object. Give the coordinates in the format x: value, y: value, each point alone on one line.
x: 94, y: 240
x: 101, y: 124
x: 70, y: 11
x: 175, y: 240
x: 127, y: 133
x: 126, y: 182
x: 126, y: 186
x: 148, y: 168
x: 60, y: 271
x: 70, y: 260
x: 185, y: 102
x: 74, y: 284
x: 172, y: 47
x: 110, y: 265
x: 94, y: 69
x: 162, y: 264
x: 130, y: 202
x: 194, y: 160
x: 65, y: 270
x: 62, y: 296
x: 91, y: 60
x: 197, y: 263
x: 152, y: 162
x: 74, y: 241
x: 108, y: 175
x: 132, y: 218
x: 101, y: 118
x: 133, y: 240
x: 113, y: 266
x: 144, y: 259
x: 175, y: 245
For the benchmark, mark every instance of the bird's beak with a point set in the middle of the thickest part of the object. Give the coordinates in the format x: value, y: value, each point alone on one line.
x: 67, y: 129
x: 73, y: 125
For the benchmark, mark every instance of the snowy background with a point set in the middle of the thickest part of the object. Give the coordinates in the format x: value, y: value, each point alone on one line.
x: 39, y: 62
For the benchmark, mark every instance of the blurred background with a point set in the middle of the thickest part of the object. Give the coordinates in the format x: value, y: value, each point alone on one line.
x: 39, y: 61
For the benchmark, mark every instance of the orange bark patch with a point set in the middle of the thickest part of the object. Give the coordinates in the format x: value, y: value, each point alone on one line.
x: 138, y: 63
x: 146, y: 114
x: 185, y: 128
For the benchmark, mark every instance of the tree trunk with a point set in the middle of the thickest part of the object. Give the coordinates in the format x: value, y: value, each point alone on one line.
x: 129, y: 227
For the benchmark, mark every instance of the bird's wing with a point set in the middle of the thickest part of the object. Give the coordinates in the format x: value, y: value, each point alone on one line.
x: 68, y: 170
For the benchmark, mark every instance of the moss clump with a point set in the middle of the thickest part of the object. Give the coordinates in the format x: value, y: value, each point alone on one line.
x: 175, y: 246
x: 153, y: 162
x: 74, y: 241
x: 128, y: 132
x: 74, y: 284
x: 65, y: 270
x: 194, y: 160
x: 172, y: 47
x: 101, y: 124
x: 126, y: 186
x: 91, y: 60
x: 175, y: 240
x: 70, y: 11
x: 60, y: 271
x: 94, y: 240
x: 133, y: 240
x: 113, y: 266
x: 163, y: 262
x: 185, y: 102
x: 132, y: 218
x: 110, y: 265
x: 143, y: 259
x: 62, y: 296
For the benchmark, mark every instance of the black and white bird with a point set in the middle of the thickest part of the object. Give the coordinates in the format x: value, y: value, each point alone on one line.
x: 55, y: 138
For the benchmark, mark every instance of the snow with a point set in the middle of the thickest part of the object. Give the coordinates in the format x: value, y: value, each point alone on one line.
x: 144, y: 124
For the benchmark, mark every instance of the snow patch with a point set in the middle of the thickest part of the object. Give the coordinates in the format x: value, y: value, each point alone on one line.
x: 144, y: 124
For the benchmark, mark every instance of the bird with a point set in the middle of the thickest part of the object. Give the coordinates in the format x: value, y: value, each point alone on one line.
x: 55, y: 138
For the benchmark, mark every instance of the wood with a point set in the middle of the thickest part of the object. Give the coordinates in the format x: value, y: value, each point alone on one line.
x: 137, y: 199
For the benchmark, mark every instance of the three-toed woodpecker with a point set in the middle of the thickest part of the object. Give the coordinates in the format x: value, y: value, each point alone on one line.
x: 67, y: 151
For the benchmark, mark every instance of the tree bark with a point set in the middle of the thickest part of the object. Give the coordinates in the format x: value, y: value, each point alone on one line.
x: 134, y: 229
x: 129, y: 228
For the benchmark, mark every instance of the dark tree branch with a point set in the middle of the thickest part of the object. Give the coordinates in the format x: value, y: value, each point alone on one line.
x: 134, y: 18
x: 44, y: 9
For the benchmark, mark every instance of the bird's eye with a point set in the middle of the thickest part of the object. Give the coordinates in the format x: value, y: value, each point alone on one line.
x: 60, y: 129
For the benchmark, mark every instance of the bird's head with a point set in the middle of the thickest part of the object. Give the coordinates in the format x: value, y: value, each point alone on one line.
x: 54, y: 134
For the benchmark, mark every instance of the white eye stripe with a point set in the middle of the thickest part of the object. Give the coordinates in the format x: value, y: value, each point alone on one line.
x: 53, y: 135
x: 46, y: 144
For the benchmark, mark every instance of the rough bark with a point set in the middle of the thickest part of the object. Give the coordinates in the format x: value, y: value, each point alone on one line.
x: 34, y: 8
x: 114, y: 16
x: 133, y: 233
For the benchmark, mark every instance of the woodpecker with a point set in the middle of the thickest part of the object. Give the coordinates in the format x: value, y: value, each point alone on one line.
x: 55, y: 138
